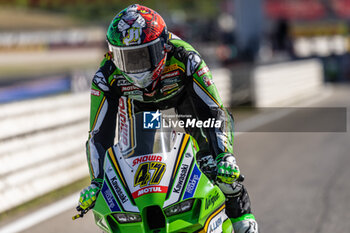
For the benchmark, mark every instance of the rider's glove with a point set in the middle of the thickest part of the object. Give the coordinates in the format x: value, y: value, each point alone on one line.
x: 227, y: 169
x: 89, y: 194
x: 207, y: 164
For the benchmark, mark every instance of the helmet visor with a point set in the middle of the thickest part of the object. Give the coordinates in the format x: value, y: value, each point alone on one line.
x: 137, y: 59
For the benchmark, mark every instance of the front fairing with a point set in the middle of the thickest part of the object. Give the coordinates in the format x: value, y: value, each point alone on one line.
x: 156, y: 168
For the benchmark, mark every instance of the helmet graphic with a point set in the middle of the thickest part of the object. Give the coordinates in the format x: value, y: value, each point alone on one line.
x: 137, y: 38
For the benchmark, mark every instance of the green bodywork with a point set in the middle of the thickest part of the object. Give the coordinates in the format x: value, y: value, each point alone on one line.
x: 208, y: 202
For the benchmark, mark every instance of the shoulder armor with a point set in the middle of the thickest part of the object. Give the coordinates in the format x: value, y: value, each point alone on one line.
x: 193, y: 62
x: 101, y: 77
x: 187, y: 55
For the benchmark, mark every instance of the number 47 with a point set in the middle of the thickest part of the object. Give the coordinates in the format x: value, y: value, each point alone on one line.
x: 144, y: 177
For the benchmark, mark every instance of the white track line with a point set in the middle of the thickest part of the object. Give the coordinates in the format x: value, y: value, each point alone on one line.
x: 41, y: 215
x: 71, y: 201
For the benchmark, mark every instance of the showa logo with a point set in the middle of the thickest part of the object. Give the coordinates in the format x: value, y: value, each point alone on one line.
x: 155, y: 120
x: 151, y: 120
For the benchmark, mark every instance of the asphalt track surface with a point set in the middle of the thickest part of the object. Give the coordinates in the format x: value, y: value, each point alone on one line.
x: 298, y: 181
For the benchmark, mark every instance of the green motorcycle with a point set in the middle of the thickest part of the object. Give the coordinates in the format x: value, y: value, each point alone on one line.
x: 152, y: 183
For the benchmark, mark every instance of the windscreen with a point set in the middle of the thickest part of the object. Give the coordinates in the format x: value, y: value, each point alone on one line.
x: 140, y: 141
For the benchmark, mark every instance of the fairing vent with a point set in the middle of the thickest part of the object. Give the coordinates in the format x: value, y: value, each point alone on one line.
x: 155, y: 218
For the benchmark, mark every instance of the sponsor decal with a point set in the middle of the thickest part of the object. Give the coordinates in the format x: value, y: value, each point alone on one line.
x: 95, y: 92
x: 122, y: 82
x: 150, y: 189
x: 202, y: 71
x: 124, y: 126
x: 192, y: 183
x: 170, y: 75
x: 173, y: 91
x: 169, y: 87
x: 146, y: 158
x: 121, y: 196
x: 150, y: 94
x: 109, y: 198
x: 207, y: 81
x: 182, y: 178
x: 171, y: 68
x: 170, y: 92
x: 210, y: 201
x: 136, y: 97
x: 215, y: 224
x: 135, y: 92
x: 170, y: 80
x: 151, y: 120
x: 129, y: 88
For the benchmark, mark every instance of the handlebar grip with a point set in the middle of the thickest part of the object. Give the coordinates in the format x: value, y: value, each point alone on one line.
x: 240, y: 178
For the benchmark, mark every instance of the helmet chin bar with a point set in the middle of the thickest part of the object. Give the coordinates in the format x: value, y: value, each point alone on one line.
x: 141, y: 80
x: 145, y: 79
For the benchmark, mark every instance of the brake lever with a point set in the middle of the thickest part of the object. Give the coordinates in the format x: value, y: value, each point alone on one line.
x: 82, y: 212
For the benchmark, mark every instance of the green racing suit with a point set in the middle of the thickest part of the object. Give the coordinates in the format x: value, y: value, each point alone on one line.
x: 186, y: 85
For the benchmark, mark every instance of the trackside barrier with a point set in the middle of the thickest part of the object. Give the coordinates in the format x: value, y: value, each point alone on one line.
x: 280, y: 85
x: 41, y: 146
x: 42, y: 140
x: 222, y: 80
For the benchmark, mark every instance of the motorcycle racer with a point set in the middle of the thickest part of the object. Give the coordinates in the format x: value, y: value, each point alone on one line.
x: 148, y: 68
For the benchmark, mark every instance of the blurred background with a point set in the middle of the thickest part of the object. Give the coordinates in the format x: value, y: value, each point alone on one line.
x: 272, y: 61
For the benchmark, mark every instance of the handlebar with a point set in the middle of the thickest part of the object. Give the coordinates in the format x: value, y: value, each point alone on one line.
x: 82, y: 212
x: 240, y: 178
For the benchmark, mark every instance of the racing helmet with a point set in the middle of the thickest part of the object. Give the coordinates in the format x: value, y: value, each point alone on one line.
x: 137, y: 37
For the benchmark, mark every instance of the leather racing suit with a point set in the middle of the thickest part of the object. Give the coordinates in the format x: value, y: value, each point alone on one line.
x: 186, y: 84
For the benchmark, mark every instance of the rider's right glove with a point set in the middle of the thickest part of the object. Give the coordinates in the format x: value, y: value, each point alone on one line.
x: 89, y: 194
x: 227, y: 169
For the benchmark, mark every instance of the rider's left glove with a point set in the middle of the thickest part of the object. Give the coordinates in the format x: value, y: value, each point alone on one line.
x: 227, y: 169
x: 89, y: 194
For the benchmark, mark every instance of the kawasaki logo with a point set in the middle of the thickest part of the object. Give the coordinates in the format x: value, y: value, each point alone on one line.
x: 182, y: 177
x: 118, y: 190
